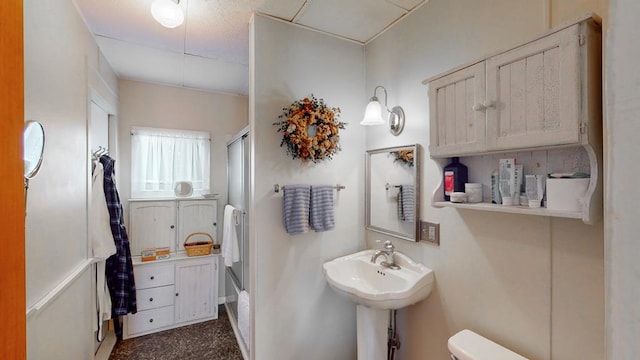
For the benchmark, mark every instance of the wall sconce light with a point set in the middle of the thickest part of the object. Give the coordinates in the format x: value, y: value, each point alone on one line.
x: 168, y: 13
x: 373, y: 113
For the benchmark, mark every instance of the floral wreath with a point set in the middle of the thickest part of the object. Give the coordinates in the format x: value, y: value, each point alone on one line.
x: 310, y: 129
x: 405, y: 156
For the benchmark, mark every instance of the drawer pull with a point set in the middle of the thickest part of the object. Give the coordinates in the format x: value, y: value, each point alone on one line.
x: 150, y: 299
x: 150, y: 320
x: 152, y: 277
x: 177, y: 294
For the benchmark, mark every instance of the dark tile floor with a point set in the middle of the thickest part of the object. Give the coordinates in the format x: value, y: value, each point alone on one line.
x: 212, y: 340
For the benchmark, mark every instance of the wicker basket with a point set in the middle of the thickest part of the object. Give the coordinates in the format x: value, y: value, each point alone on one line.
x: 199, y: 248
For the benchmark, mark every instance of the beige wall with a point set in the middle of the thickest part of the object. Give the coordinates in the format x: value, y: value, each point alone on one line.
x: 533, y: 284
x: 151, y: 105
x: 63, y: 72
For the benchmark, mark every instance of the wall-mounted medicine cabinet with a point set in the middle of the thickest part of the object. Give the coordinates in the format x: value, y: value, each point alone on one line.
x: 539, y: 102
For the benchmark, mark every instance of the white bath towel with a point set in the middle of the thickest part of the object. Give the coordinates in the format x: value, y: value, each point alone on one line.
x: 230, y: 249
x: 295, y: 208
x: 244, y: 325
x: 321, y: 208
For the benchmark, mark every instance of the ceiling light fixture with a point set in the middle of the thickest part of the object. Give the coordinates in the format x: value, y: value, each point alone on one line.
x: 373, y: 113
x: 168, y: 13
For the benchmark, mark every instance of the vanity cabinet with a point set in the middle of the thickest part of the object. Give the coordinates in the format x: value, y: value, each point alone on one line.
x: 541, y: 100
x: 195, y: 296
x: 174, y: 292
x: 167, y: 223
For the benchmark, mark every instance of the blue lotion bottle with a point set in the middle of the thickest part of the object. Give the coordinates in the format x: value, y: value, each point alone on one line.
x: 455, y: 176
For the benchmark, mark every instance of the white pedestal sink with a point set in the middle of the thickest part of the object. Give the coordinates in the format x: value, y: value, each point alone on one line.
x: 376, y: 290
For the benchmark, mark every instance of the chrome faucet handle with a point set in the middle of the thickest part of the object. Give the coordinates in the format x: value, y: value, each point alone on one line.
x: 388, y: 246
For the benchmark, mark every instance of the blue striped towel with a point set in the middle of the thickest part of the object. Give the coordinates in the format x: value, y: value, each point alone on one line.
x: 321, y: 211
x: 406, y: 196
x: 295, y: 208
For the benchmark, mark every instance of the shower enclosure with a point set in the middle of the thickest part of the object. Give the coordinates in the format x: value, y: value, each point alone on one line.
x: 237, y: 276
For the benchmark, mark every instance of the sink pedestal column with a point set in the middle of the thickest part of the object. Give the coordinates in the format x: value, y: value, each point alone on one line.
x: 372, y: 333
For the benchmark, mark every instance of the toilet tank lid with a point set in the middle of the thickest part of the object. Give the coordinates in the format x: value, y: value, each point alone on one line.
x: 467, y: 345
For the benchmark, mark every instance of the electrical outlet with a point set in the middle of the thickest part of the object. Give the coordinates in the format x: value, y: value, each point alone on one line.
x: 430, y: 232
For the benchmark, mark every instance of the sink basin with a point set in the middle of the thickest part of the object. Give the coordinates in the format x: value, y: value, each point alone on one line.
x: 375, y: 286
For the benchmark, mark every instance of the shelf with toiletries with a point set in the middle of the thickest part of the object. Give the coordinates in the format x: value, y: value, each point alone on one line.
x: 577, y: 159
x: 539, y: 103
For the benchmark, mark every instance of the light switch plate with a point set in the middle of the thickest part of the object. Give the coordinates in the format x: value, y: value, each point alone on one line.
x: 430, y: 232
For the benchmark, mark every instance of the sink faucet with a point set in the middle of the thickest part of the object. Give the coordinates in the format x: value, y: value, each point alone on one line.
x: 389, y: 254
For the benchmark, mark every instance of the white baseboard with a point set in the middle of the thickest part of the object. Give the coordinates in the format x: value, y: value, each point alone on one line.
x: 105, y: 349
x: 234, y: 325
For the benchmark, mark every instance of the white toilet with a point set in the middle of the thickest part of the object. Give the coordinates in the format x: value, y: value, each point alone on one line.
x: 467, y: 345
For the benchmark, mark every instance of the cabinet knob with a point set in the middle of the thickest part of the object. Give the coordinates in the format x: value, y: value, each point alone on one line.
x: 177, y: 294
x: 173, y: 226
x: 152, y: 277
x: 215, y: 224
x: 483, y: 106
x: 150, y: 299
x: 150, y: 320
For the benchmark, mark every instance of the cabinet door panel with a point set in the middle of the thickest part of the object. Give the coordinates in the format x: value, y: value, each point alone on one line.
x: 535, y: 92
x: 455, y: 126
x: 196, y: 216
x: 194, y: 290
x: 152, y: 224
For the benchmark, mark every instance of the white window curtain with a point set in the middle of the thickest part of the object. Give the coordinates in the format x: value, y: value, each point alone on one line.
x: 161, y: 157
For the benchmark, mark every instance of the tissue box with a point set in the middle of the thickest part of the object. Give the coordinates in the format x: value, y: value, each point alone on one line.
x: 566, y: 194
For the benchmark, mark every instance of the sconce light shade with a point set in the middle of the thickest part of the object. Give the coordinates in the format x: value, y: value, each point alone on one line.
x: 167, y: 12
x: 373, y: 113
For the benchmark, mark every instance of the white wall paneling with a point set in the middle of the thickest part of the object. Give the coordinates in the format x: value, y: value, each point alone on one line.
x: 296, y: 314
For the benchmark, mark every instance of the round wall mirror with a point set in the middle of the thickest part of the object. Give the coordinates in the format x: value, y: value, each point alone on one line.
x: 33, y: 148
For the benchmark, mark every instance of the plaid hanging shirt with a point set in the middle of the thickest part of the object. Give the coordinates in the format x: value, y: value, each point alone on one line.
x: 119, y: 268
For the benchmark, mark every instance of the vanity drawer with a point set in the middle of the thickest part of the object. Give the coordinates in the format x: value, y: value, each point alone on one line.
x: 155, y: 297
x: 153, y: 275
x: 149, y: 319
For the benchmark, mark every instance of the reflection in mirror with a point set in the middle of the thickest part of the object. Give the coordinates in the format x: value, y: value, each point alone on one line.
x: 393, y: 191
x: 33, y: 151
x: 33, y: 148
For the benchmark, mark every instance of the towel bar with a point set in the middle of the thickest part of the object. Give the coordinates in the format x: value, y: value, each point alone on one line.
x: 277, y: 188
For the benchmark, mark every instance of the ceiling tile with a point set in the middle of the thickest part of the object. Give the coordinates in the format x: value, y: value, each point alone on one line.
x: 408, y: 4
x: 131, y: 21
x: 354, y: 19
x: 219, y: 29
x: 204, y: 73
x: 142, y: 63
x: 282, y: 9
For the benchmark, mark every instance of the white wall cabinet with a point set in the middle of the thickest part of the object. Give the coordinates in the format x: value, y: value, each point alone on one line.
x: 455, y: 125
x: 195, y: 297
x: 152, y: 224
x: 159, y: 223
x: 196, y: 216
x: 534, y: 93
x: 528, y: 101
x: 171, y: 293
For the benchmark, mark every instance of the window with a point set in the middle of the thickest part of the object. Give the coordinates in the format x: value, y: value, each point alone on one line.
x: 160, y: 157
